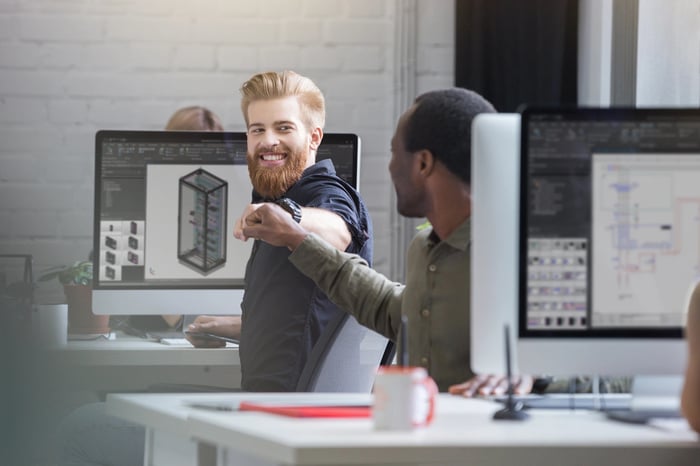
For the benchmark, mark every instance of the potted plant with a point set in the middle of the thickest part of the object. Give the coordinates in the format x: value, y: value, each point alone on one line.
x: 77, y: 286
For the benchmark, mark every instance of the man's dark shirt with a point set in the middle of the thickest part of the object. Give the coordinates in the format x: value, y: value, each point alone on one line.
x: 284, y: 313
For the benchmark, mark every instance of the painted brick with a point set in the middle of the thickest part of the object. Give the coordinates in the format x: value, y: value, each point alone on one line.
x: 325, y: 8
x: 145, y: 56
x: 148, y: 29
x: 436, y: 25
x: 321, y: 58
x: 20, y: 110
x: 280, y: 8
x: 63, y: 171
x: 433, y: 60
x: 356, y: 86
x: 34, y: 197
x: 236, y: 31
x: 366, y: 113
x: 61, y: 56
x: 431, y: 82
x: 237, y: 58
x: 76, y: 223
x: 239, y: 9
x: 195, y: 85
x: 4, y: 230
x: 30, y: 83
x: 279, y: 58
x: 17, y: 168
x: 60, y: 28
x: 106, y: 56
x: 302, y: 32
x: 28, y: 140
x: 369, y: 58
x: 68, y: 111
x: 367, y: 9
x: 358, y: 32
x: 194, y: 57
x: 20, y: 55
x: 35, y: 224
x: 9, y: 27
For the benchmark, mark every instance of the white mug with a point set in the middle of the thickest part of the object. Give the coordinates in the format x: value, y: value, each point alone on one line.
x: 50, y: 322
x: 404, y: 398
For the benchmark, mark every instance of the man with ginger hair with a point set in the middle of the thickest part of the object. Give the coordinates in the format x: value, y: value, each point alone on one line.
x: 283, y: 311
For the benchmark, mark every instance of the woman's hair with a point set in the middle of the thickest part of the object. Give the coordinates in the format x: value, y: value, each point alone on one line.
x: 194, y: 118
x: 274, y: 85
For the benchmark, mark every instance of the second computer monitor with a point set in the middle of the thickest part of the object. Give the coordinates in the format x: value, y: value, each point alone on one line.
x: 609, y: 228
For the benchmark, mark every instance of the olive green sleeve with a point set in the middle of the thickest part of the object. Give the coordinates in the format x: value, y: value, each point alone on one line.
x: 347, y: 279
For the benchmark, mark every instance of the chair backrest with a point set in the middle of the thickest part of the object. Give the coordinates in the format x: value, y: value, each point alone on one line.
x: 345, y: 358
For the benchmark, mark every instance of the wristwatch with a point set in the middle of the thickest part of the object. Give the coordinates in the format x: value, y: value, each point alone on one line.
x: 291, y: 207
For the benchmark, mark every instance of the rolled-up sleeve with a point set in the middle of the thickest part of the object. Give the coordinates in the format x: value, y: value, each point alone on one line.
x: 347, y: 279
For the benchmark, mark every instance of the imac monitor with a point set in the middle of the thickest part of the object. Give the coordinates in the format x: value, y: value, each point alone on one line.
x: 609, y: 239
x: 494, y: 277
x: 165, y: 207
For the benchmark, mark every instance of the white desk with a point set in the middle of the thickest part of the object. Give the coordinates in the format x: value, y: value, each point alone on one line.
x: 463, y: 433
x: 133, y: 364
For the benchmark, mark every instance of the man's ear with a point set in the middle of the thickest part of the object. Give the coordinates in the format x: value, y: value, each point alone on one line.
x: 316, y: 137
x: 426, y: 162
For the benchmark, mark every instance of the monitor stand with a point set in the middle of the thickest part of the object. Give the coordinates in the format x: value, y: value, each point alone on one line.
x: 652, y: 397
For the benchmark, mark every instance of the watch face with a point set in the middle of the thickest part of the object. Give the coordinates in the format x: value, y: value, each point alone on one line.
x: 291, y: 207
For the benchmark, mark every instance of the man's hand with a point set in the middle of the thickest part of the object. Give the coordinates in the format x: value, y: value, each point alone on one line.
x: 272, y: 224
x: 481, y: 385
x: 228, y: 326
x: 240, y: 222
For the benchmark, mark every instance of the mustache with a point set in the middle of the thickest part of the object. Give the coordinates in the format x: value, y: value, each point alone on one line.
x: 271, y: 148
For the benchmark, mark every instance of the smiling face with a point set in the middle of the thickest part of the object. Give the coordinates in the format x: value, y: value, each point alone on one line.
x: 280, y: 146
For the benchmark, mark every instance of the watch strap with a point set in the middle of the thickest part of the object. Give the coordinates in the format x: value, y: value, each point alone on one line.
x: 290, y: 206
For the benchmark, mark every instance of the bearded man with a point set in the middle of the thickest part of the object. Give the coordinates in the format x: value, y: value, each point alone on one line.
x: 283, y: 311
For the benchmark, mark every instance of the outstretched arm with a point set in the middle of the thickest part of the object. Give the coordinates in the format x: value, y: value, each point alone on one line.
x: 272, y: 224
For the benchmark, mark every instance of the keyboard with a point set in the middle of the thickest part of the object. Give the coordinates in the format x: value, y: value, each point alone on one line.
x: 166, y: 334
x: 185, y: 342
x: 642, y: 416
x: 175, y: 341
x: 603, y: 402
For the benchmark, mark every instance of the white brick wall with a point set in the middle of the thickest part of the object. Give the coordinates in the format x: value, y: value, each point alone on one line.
x: 71, y: 67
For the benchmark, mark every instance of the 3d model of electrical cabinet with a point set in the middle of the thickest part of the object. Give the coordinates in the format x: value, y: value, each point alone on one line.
x: 202, y: 220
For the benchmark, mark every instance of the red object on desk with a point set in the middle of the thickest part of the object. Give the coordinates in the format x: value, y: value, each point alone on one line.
x: 307, y: 410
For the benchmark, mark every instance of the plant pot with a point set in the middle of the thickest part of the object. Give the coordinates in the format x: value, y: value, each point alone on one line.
x: 81, y: 320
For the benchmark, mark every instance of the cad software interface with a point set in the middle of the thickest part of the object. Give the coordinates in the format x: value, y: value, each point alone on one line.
x: 166, y: 203
x: 611, y: 219
x: 162, y: 221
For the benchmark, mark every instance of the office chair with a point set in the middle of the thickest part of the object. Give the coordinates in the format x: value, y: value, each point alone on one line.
x: 345, y: 358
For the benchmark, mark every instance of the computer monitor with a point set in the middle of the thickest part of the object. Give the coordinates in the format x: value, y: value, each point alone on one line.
x: 344, y: 150
x: 494, y: 277
x: 609, y: 239
x: 165, y: 207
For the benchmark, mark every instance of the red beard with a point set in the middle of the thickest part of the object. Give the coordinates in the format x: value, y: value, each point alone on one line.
x: 273, y: 182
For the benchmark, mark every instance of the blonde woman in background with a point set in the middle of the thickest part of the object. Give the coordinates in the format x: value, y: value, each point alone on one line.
x: 194, y: 118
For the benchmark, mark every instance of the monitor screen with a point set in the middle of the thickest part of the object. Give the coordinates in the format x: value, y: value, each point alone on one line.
x: 609, y: 208
x: 165, y: 207
x: 344, y: 149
